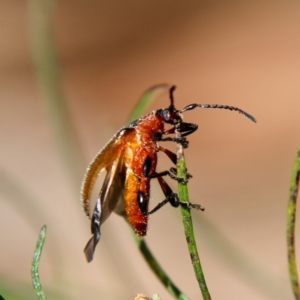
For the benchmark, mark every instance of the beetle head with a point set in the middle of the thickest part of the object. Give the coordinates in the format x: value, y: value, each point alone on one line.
x: 170, y: 115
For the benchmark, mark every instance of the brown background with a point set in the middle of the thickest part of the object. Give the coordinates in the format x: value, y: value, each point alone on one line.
x: 241, y: 53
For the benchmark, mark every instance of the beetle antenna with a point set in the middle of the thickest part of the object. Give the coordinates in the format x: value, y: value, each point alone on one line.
x: 172, y: 89
x: 193, y: 106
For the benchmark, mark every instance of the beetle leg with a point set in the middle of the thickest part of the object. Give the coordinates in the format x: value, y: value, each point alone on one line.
x: 173, y: 158
x: 158, y: 206
x: 184, y: 128
x: 170, y: 131
x: 171, y: 174
x: 187, y: 128
x: 95, y: 228
x: 170, y: 154
x: 147, y: 168
x: 172, y: 198
x: 159, y: 137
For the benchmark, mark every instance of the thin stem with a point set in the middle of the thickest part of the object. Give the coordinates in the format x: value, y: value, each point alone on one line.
x: 35, y: 265
x: 145, y: 100
x: 158, y: 270
x: 291, y: 222
x: 188, y: 223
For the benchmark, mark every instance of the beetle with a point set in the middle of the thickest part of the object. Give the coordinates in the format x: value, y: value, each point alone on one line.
x: 130, y: 160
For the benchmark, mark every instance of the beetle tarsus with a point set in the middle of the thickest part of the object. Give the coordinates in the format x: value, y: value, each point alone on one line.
x: 172, y: 174
x: 179, y: 179
x: 192, y: 205
x: 174, y: 200
x: 183, y: 142
x: 174, y: 171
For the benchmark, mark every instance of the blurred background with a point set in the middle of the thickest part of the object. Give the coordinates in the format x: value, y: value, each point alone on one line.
x: 240, y: 53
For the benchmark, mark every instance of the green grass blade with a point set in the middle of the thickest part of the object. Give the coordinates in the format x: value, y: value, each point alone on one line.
x: 291, y: 222
x: 188, y: 223
x: 35, y: 265
x: 147, y: 99
x: 158, y: 270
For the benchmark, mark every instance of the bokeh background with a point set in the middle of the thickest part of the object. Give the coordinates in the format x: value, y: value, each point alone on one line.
x: 241, y: 53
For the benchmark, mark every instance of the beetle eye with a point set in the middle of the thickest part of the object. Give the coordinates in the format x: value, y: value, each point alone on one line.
x: 166, y: 115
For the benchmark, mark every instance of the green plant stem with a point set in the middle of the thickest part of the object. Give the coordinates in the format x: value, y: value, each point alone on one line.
x: 144, y: 102
x: 157, y: 269
x: 291, y: 221
x: 188, y: 223
x: 154, y: 297
x: 35, y: 265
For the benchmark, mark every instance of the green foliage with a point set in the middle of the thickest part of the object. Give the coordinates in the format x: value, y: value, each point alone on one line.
x: 35, y: 265
x: 291, y: 222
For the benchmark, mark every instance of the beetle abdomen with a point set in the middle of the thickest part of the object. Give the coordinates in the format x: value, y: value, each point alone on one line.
x: 135, y: 216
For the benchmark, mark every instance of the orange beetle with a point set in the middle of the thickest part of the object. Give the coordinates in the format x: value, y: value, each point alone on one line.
x: 130, y: 160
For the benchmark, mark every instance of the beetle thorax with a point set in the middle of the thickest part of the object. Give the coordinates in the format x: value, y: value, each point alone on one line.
x: 148, y: 126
